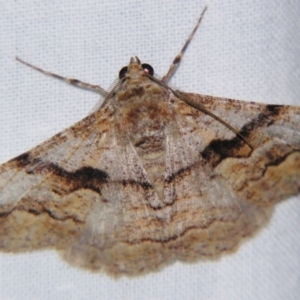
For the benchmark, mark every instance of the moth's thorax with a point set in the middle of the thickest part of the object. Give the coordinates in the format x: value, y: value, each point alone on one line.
x: 142, y: 109
x: 143, y: 113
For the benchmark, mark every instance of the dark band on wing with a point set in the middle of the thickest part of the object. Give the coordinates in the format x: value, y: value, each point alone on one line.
x: 64, y: 182
x: 83, y: 178
x: 218, y: 150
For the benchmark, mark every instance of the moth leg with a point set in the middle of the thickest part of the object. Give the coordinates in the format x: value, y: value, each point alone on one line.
x: 178, y: 57
x: 71, y: 81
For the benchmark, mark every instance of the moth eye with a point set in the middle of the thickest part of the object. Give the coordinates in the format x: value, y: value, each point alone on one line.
x: 148, y: 69
x: 123, y: 72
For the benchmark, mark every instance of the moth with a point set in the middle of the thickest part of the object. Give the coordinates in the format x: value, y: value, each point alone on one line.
x: 153, y: 176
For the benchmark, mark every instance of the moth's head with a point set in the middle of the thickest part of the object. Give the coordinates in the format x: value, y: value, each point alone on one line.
x: 135, y: 69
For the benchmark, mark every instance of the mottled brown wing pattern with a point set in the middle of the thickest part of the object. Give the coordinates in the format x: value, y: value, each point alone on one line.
x: 42, y: 190
x: 111, y: 201
x: 274, y: 133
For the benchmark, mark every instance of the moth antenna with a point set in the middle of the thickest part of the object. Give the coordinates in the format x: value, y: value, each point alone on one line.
x: 72, y: 81
x: 178, y: 57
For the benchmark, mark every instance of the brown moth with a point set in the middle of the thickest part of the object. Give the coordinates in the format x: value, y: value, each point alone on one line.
x: 153, y: 176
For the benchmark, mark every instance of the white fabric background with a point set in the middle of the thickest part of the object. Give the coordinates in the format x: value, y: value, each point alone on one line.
x: 247, y: 50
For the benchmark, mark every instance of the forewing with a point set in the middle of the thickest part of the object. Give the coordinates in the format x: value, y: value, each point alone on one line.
x: 264, y: 173
x: 47, y: 193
